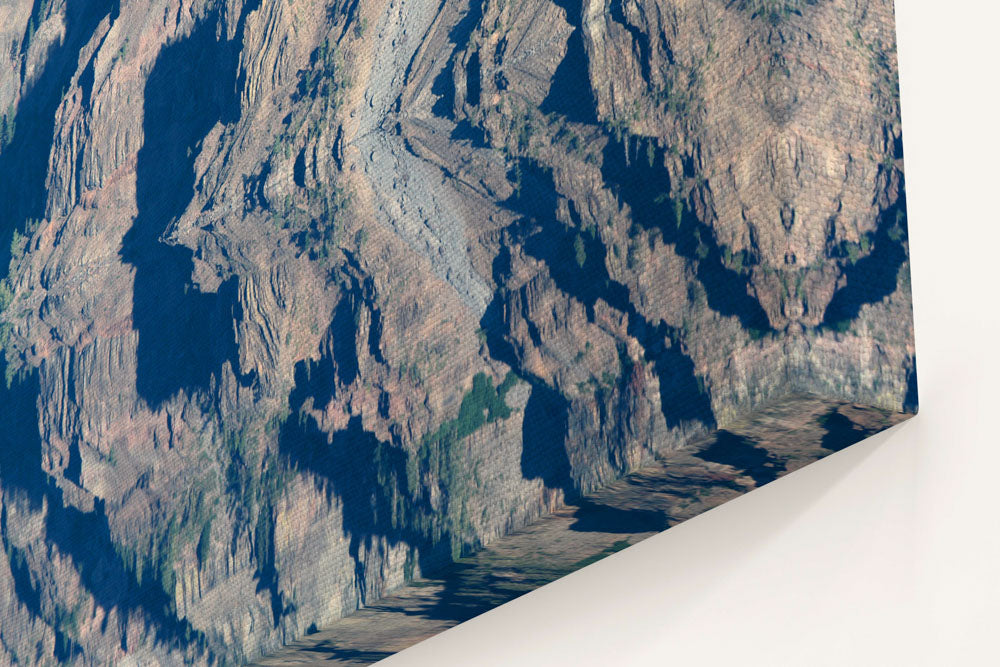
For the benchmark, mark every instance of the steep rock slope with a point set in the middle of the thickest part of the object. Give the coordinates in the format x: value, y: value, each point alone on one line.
x: 306, y: 298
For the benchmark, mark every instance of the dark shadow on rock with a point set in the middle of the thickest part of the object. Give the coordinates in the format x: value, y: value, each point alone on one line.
x: 338, y: 362
x: 639, y: 38
x: 343, y: 335
x: 473, y: 84
x: 375, y: 336
x: 66, y: 648
x: 84, y: 537
x: 472, y: 588
x: 546, y: 414
x: 24, y: 588
x: 348, y: 655
x: 21, y: 472
x: 576, y: 260
x: 24, y: 162
x: 466, y: 131
x: 742, y: 454
x: 635, y: 167
x: 841, y: 432
x: 444, y: 88
x: 911, y: 402
x: 299, y: 169
x: 875, y: 276
x: 570, y: 94
x: 365, y: 474
x: 444, y: 84
x: 597, y: 517
x: 185, y: 335
x: 685, y: 484
x: 369, y: 478
x: 543, y: 437
x: 75, y: 464
x: 346, y: 10
x: 20, y: 441
x: 315, y: 379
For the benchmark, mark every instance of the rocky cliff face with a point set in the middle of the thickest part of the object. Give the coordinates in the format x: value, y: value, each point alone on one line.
x: 306, y: 298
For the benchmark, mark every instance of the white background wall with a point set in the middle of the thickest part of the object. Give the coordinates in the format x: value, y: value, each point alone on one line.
x: 887, y: 553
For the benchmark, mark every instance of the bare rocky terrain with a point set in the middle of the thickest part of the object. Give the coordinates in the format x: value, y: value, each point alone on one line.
x: 777, y: 439
x: 306, y: 300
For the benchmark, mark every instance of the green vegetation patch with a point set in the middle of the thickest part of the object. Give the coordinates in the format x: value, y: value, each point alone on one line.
x: 852, y: 251
x: 7, y: 127
x: 481, y: 405
x: 438, y: 452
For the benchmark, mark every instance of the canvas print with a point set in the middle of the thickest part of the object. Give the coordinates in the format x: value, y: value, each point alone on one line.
x: 329, y: 324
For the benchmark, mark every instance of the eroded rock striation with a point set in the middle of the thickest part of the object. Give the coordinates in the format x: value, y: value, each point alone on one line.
x: 305, y: 298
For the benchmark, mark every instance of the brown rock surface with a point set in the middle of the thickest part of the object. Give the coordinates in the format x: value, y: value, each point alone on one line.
x: 305, y: 299
x: 779, y: 438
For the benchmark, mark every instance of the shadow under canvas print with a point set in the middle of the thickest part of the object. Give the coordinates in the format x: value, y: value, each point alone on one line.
x: 327, y: 325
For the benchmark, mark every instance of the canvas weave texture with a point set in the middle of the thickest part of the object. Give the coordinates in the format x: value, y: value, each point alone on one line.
x: 327, y: 325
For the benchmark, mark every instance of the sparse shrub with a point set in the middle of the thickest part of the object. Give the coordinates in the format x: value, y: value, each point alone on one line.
x: 702, y: 249
x: 896, y: 232
x: 18, y: 244
x: 205, y: 543
x: 580, y: 251
x: 574, y: 142
x: 865, y: 244
x: 360, y: 28
x: 360, y: 238
x: 481, y: 405
x: 853, y: 252
x: 7, y: 127
x: 735, y: 260
x: 6, y: 295
x: 631, y: 257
